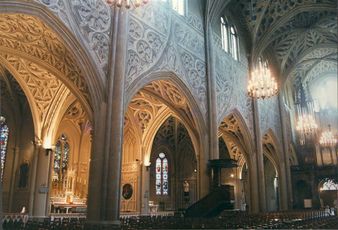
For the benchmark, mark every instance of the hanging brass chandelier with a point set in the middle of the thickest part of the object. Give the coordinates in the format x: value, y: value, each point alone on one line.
x: 262, y: 84
x: 306, y: 124
x: 126, y: 3
x: 327, y: 139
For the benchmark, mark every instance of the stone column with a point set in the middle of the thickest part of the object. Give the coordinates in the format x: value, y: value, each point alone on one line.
x: 145, y: 189
x: 13, y: 177
x: 212, y: 106
x: 203, y: 173
x: 105, y: 165
x: 205, y: 180
x: 41, y: 182
x: 259, y: 159
x: 287, y: 183
x: 49, y: 178
x: 119, y: 45
x: 282, y: 179
x: 254, y: 202
x: 37, y: 147
x: 96, y: 184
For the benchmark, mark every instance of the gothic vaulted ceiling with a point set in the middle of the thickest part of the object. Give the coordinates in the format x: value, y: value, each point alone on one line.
x: 300, y: 36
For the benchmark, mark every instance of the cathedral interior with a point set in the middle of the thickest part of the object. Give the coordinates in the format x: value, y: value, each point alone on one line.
x: 116, y: 110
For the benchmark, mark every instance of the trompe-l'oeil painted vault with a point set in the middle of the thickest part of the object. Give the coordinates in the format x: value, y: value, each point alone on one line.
x: 108, y: 110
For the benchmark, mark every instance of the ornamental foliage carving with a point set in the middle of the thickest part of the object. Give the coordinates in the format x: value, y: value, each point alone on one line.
x: 320, y: 69
x: 320, y: 53
x: 231, y: 82
x: 42, y: 85
x: 166, y: 134
x: 27, y: 36
x: 230, y: 126
x: 145, y: 109
x: 195, y: 22
x: 186, y: 37
x: 90, y: 20
x: 77, y: 115
x: 168, y: 45
x: 144, y: 49
x: 269, y: 116
x: 171, y: 96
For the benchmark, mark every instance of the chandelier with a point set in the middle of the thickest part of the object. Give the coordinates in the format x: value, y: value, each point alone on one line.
x: 306, y: 123
x: 126, y: 3
x: 262, y: 84
x: 327, y: 138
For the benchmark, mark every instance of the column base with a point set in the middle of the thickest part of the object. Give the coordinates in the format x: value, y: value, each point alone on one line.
x: 102, y: 225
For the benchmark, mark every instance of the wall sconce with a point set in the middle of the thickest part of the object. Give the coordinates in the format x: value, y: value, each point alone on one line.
x: 147, y: 165
x: 48, y: 151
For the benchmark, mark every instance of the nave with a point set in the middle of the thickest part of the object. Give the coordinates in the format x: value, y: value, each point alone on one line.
x: 168, y: 113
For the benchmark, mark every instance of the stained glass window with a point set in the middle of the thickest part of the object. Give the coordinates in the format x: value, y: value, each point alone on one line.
x: 158, y: 176
x: 3, y: 144
x: 162, y: 170
x: 61, y: 159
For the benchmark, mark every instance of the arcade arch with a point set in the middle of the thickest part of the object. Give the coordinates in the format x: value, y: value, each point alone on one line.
x: 159, y: 119
x: 42, y: 63
x: 274, y: 173
x: 234, y: 133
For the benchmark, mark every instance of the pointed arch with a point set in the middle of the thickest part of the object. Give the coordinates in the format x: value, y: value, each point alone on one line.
x: 169, y: 76
x: 247, y: 141
x: 273, y: 151
x: 92, y: 78
x: 151, y: 133
x: 188, y: 112
x: 276, y: 154
x: 234, y: 129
